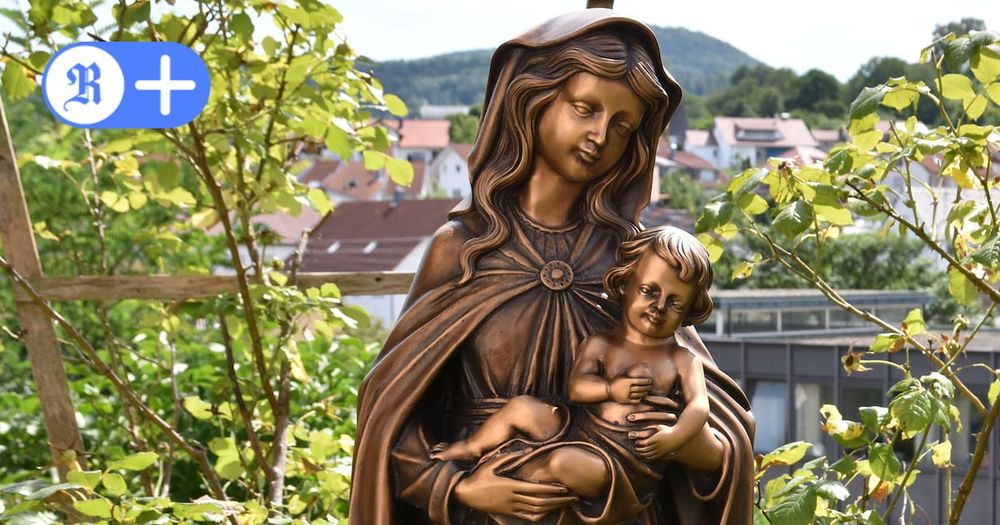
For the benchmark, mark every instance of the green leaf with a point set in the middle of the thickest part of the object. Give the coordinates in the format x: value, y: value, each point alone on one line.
x: 914, y: 409
x: 270, y: 45
x: 138, y: 461
x: 796, y: 509
x: 396, y: 105
x: 956, y: 87
x: 832, y: 490
x: 330, y: 290
x: 118, y: 145
x: 198, y: 408
x: 873, y: 417
x: 994, y: 92
x: 15, y: 80
x: 787, y: 454
x: 957, y: 52
x: 793, y: 218
x: 753, y: 204
x: 205, y: 219
x: 373, y: 160
x: 84, y: 478
x: 975, y: 132
x: 320, y: 201
x: 914, y: 323
x: 114, y: 483
x: 242, y: 26
x: 400, y: 171
x: 867, y: 140
x: 884, y: 462
x: 985, y: 65
x: 98, y: 508
x: 867, y: 102
x: 900, y: 98
x: 961, y: 288
x: 994, y: 391
x: 713, y: 246
x: 845, y: 466
x: 976, y: 107
x: 39, y: 59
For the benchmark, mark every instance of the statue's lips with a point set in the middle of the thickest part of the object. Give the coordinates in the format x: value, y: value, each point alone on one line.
x: 586, y: 156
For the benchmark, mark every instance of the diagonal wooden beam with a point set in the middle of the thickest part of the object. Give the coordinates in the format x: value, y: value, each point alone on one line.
x: 18, y: 242
x: 177, y: 287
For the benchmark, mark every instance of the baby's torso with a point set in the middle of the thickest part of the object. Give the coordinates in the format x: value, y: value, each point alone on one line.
x: 663, y: 372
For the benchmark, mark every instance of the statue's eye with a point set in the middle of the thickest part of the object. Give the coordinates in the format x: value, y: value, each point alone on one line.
x: 624, y: 130
x: 583, y: 110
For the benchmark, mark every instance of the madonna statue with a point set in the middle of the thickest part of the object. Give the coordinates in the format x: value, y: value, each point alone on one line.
x: 512, y: 284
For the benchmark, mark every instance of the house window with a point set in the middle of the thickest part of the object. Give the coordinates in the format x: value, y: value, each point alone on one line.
x: 803, y: 320
x: 809, y: 397
x: 768, y: 400
x: 753, y: 321
x: 370, y: 247
x: 333, y: 247
x: 351, y: 184
x: 758, y: 134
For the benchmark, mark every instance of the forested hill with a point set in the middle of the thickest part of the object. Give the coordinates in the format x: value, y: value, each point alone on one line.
x: 701, y: 63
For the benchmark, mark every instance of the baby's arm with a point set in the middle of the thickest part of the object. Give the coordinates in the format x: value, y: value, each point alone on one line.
x: 659, y: 441
x: 696, y: 408
x: 586, y: 385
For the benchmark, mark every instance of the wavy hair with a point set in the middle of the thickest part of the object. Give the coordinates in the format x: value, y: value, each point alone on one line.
x: 681, y: 250
x: 607, y: 54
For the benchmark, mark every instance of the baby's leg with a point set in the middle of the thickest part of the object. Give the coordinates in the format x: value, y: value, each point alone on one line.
x: 704, y: 452
x: 581, y: 471
x: 521, y: 415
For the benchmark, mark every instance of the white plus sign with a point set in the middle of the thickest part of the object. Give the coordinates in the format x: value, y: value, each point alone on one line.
x: 164, y: 85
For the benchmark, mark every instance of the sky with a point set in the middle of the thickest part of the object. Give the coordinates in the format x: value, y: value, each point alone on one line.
x: 837, y: 38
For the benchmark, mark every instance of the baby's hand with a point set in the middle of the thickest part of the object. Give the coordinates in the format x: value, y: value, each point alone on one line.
x: 629, y: 390
x: 655, y: 442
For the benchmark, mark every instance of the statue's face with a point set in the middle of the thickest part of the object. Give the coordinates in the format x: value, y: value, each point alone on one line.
x: 656, y: 300
x: 587, y: 128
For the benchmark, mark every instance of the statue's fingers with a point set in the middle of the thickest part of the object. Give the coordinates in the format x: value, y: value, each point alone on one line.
x: 641, y: 434
x: 538, y: 489
x: 652, y: 417
x: 544, y: 504
x: 663, y: 401
x: 528, y: 515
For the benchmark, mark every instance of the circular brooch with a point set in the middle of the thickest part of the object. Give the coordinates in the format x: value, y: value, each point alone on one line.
x: 556, y: 275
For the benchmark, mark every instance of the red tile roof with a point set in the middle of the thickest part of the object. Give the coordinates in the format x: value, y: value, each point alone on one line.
x: 463, y: 150
x: 788, y: 132
x: 354, y: 181
x: 696, y: 137
x: 422, y: 133
x: 692, y: 161
x: 353, y: 226
x: 320, y: 170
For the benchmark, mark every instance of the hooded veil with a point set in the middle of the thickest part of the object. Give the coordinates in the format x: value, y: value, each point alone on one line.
x: 406, y: 395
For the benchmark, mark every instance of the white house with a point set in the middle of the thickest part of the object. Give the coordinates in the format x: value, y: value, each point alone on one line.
x: 737, y: 142
x: 448, y: 174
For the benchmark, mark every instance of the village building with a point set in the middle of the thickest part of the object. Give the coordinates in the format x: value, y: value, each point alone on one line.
x: 384, y: 236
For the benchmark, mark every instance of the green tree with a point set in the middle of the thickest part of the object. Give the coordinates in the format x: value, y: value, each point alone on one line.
x: 812, y: 89
x: 811, y: 205
x: 246, y: 399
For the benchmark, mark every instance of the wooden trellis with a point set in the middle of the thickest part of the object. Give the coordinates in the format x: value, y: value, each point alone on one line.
x: 38, y: 333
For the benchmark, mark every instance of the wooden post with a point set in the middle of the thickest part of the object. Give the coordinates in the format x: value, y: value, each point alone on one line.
x: 38, y: 333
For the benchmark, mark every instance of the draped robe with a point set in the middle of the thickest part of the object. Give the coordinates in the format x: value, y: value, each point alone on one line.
x: 505, y: 333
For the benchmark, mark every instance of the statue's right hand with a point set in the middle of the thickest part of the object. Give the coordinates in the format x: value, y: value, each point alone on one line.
x: 485, y: 491
x: 629, y: 390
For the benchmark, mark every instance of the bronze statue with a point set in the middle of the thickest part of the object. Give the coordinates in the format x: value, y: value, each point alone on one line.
x: 509, y: 289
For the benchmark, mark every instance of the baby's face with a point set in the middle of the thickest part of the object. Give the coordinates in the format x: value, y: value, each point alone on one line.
x: 656, y: 300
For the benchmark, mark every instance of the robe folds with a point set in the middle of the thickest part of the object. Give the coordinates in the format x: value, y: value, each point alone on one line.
x: 429, y: 370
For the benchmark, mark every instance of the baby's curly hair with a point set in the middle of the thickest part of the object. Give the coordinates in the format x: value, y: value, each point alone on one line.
x: 681, y: 250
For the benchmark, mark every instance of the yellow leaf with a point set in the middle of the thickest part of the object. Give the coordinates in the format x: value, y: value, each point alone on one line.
x: 994, y: 92
x: 941, y: 454
x: 986, y: 65
x: 867, y: 140
x: 205, y: 219
x: 727, y: 231
x: 963, y: 177
x: 956, y: 87
x: 713, y: 246
x: 137, y: 200
x: 836, y: 215
x: 900, y: 99
x: 976, y: 108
